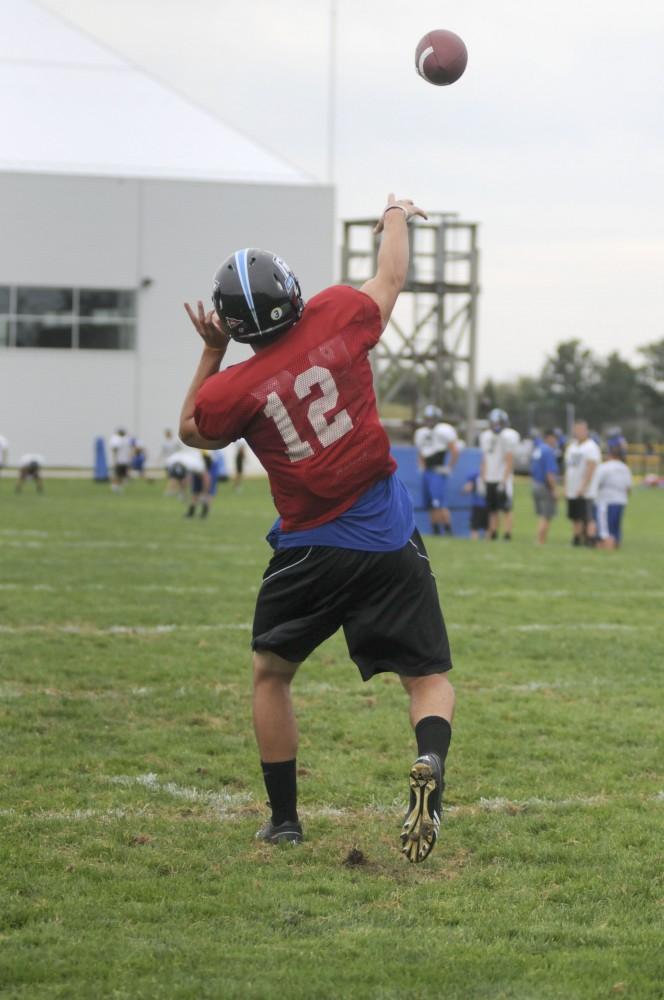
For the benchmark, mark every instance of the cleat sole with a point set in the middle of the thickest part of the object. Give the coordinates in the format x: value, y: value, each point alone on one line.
x: 419, y: 832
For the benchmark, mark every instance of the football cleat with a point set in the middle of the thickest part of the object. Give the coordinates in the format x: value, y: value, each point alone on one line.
x: 288, y: 832
x: 422, y: 823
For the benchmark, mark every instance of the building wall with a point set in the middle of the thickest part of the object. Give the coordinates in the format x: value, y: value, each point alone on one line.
x: 164, y: 238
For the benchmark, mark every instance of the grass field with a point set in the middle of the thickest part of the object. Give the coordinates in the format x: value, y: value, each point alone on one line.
x: 131, y: 790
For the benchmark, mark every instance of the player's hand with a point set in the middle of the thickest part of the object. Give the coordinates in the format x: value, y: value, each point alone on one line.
x: 208, y: 327
x: 401, y: 206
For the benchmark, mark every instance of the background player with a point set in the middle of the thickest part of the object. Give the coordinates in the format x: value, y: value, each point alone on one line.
x: 479, y: 515
x: 29, y: 467
x: 347, y: 553
x: 581, y: 460
x: 543, y: 472
x: 4, y: 452
x: 121, y: 455
x: 239, y: 460
x: 437, y: 452
x: 498, y: 442
x: 614, y: 484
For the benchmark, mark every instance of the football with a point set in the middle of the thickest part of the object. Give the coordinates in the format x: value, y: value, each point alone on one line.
x: 441, y: 57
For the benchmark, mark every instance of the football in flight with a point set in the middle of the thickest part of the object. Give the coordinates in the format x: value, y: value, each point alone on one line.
x: 440, y: 57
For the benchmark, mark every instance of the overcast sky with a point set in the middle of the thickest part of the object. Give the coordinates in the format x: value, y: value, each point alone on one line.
x: 553, y: 140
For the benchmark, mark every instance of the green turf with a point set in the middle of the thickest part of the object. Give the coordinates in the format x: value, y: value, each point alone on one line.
x: 131, y: 790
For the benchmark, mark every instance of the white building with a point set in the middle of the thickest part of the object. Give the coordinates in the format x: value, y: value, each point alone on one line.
x: 118, y: 199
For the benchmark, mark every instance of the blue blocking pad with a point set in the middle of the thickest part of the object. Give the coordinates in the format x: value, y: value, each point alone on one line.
x: 459, y: 503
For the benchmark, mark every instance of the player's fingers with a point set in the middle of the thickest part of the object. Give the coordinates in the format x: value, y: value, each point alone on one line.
x: 192, y: 315
x: 391, y: 198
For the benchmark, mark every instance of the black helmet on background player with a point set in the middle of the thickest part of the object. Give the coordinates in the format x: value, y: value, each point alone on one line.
x: 256, y: 296
x: 498, y: 419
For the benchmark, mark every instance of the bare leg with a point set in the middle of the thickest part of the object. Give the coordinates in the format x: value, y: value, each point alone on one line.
x: 274, y: 718
x: 542, y: 530
x: 507, y: 522
x: 430, y: 695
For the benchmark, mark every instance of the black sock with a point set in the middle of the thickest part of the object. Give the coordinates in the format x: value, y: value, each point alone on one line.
x: 281, y: 783
x: 433, y: 733
x: 435, y: 528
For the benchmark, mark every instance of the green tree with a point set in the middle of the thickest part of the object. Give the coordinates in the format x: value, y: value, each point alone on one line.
x: 616, y: 397
x: 651, y: 380
x: 570, y: 375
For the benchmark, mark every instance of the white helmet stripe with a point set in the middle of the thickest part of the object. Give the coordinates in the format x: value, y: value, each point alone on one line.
x: 243, y: 274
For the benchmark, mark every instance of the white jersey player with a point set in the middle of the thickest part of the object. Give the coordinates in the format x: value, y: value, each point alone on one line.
x: 582, y: 458
x: 437, y: 452
x: 498, y: 443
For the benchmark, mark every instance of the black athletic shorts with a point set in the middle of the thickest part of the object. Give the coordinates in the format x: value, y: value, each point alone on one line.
x: 479, y: 518
x: 579, y: 509
x: 121, y: 470
x: 177, y: 471
x: 497, y: 498
x: 386, y: 603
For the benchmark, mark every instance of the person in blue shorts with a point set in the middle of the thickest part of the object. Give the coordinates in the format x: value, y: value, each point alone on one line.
x: 348, y: 555
x: 543, y: 472
x: 437, y: 452
x: 614, y: 482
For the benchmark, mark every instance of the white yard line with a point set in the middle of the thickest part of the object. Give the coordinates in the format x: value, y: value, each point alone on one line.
x: 231, y: 806
x: 541, y: 592
x: 165, y: 629
x: 222, y: 802
x: 130, y: 630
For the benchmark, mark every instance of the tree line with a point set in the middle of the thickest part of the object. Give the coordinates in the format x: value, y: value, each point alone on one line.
x: 574, y: 381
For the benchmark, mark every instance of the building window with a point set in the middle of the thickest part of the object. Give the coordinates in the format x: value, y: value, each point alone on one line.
x: 43, y: 333
x: 86, y: 318
x: 106, y: 336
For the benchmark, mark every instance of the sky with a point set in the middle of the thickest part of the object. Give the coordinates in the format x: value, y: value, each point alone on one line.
x: 553, y: 140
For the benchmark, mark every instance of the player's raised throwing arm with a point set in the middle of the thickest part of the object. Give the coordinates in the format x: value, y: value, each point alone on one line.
x: 392, y: 268
x: 216, y: 341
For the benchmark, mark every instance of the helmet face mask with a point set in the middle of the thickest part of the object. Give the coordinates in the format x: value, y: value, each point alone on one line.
x: 256, y: 296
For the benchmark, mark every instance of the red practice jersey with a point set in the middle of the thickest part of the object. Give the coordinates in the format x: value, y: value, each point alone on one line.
x: 306, y: 405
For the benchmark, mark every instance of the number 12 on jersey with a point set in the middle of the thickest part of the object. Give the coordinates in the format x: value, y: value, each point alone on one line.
x: 327, y: 433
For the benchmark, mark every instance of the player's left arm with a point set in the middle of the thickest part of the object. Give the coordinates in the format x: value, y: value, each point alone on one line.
x: 208, y: 327
x: 393, y: 255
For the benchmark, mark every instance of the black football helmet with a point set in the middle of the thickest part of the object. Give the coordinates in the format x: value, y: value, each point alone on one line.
x: 256, y: 295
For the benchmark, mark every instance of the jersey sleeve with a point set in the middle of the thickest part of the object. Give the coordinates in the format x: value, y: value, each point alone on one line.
x: 447, y: 433
x: 220, y: 412
x: 510, y: 440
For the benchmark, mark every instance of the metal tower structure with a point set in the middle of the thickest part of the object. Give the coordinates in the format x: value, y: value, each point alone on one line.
x: 429, y: 348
